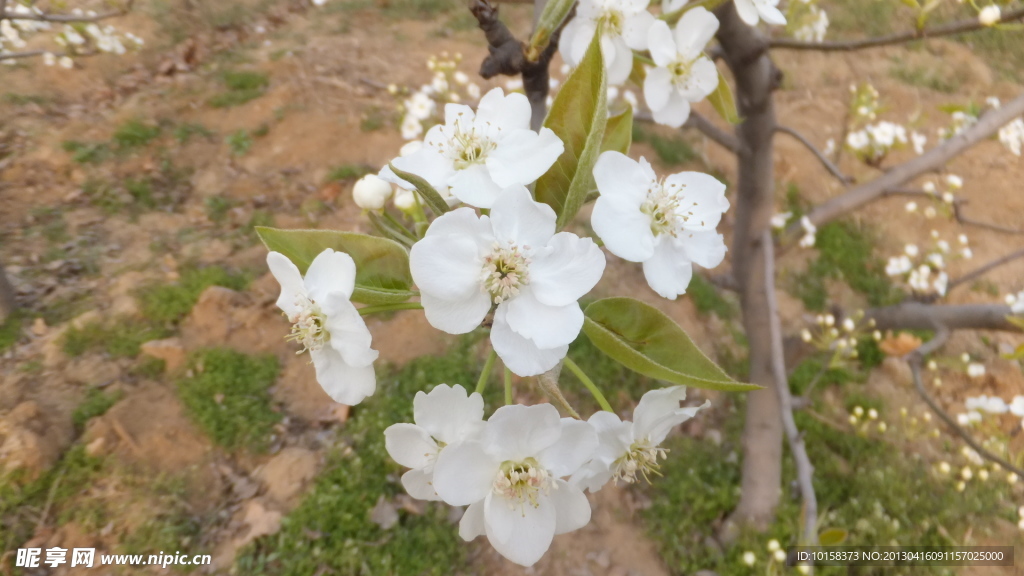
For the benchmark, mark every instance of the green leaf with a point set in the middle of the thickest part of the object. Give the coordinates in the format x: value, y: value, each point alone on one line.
x: 645, y: 340
x: 578, y: 116
x: 382, y: 265
x: 430, y: 196
x: 723, y: 101
x: 618, y: 135
x: 832, y: 537
x: 551, y: 18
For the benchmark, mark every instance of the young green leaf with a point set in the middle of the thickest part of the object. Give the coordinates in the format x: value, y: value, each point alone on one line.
x: 645, y: 340
x: 618, y: 135
x: 578, y: 116
x: 382, y: 265
x: 723, y: 101
x: 550, y: 19
x: 430, y: 196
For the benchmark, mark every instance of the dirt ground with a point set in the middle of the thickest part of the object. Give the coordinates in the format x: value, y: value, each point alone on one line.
x: 326, y: 69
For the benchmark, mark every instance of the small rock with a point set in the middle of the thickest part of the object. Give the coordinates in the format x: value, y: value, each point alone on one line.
x: 384, y: 514
x: 287, y: 473
x: 261, y: 520
x: 170, y: 350
x: 96, y: 447
x: 39, y: 327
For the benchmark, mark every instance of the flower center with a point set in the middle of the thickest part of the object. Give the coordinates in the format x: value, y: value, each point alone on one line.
x: 308, y: 325
x: 667, y: 207
x: 642, y: 458
x: 523, y: 482
x: 467, y: 147
x: 505, y: 270
x: 612, y: 22
x: 680, y: 70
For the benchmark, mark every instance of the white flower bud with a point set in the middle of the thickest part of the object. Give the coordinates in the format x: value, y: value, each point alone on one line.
x: 849, y: 325
x: 773, y: 545
x: 405, y: 200
x: 873, y: 414
x: 944, y: 467
x: 780, y: 555
x: 805, y: 335
x: 749, y: 559
x: 990, y: 15
x: 370, y: 192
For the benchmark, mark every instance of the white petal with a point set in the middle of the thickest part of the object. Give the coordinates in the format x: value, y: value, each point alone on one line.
x: 460, y: 113
x: 330, y: 272
x: 674, y: 113
x: 619, y: 60
x: 518, y: 432
x: 464, y: 222
x: 349, y: 334
x: 572, y: 509
x: 581, y: 40
x: 747, y: 11
x: 511, y: 112
x: 523, y: 156
x: 695, y: 29
x: 668, y: 272
x: 458, y: 316
x: 427, y: 163
x: 705, y: 248
x: 519, y: 354
x: 658, y: 413
x: 547, y: 326
x: 516, y: 218
x: 448, y: 413
x: 446, y: 266
x: 661, y: 43
x: 474, y: 186
x: 410, y: 445
x: 567, y: 269
x: 343, y: 383
x: 624, y: 229
x: 464, y: 473
x: 614, y: 436
x: 472, y: 523
x: 657, y: 88
x: 618, y: 175
x: 290, y: 279
x: 521, y: 533
x: 701, y: 81
x: 420, y: 485
x: 574, y: 447
x: 635, y: 29
x: 592, y: 476
x: 702, y: 199
x: 771, y: 14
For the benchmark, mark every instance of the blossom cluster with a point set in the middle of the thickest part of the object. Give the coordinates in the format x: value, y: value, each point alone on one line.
x: 1016, y: 302
x: 924, y: 272
x: 419, y: 109
x: 75, y: 38
x: 807, y: 21
x: 1012, y: 134
x: 839, y: 339
x: 522, y: 472
x: 940, y: 200
x: 977, y: 406
x: 875, y: 141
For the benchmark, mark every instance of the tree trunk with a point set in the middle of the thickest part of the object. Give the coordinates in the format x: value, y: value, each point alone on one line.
x: 7, y: 304
x: 756, y: 77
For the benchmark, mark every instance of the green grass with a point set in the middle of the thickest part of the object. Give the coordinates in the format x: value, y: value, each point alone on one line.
x: 707, y: 299
x: 239, y: 142
x: 135, y: 134
x: 242, y: 87
x: 227, y: 396
x: 845, y: 253
x: 671, y: 150
x: 331, y: 530
x: 169, y: 303
x: 120, y: 339
x: 185, y: 131
x: 96, y: 403
x: 346, y: 172
x: 86, y: 152
x: 942, y: 80
x: 217, y: 208
x: 10, y: 330
x: 22, y: 99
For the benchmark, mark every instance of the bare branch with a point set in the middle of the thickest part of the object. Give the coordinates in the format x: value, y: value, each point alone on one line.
x: 716, y: 134
x: 832, y: 168
x: 958, y: 27
x: 66, y: 18
x: 860, y: 195
x: 19, y: 55
x: 985, y: 269
x: 958, y: 214
x: 915, y: 360
x: 920, y: 316
x: 804, y: 468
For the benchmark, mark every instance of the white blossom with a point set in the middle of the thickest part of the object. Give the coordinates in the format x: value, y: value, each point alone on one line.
x: 370, y: 192
x: 990, y: 15
x: 984, y: 403
x: 751, y: 11
x: 975, y: 370
x: 778, y: 221
x: 511, y: 479
x: 1016, y: 406
x: 668, y: 225
x: 682, y: 73
x: 411, y: 127
x: 1016, y: 302
x: 1012, y: 136
x: 326, y: 323
x: 444, y: 416
x: 478, y: 154
x: 810, y: 233
x: 513, y: 258
x: 628, y: 450
x: 623, y: 25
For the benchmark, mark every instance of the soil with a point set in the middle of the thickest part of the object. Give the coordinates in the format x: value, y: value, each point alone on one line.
x: 327, y: 71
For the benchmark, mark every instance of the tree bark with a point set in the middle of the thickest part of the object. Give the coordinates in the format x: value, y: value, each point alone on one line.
x: 756, y: 77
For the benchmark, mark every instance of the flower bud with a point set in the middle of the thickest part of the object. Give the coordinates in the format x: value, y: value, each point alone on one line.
x: 370, y: 192
x: 989, y: 15
x: 405, y: 200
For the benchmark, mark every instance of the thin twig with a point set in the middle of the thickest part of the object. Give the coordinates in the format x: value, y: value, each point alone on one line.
x: 982, y: 270
x: 804, y: 468
x: 958, y: 27
x: 716, y: 134
x: 919, y: 316
x: 67, y: 18
x: 915, y: 359
x: 832, y: 168
x: 958, y: 205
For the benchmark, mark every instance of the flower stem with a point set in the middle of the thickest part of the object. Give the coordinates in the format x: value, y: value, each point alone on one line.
x: 398, y: 224
x: 594, y: 391
x: 508, y: 386
x: 367, y: 310
x: 485, y: 375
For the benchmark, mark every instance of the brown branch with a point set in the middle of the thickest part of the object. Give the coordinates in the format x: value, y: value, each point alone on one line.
x: 921, y: 316
x: 65, y: 18
x: 958, y: 214
x: 958, y: 27
x: 982, y: 270
x: 860, y: 195
x: 915, y: 359
x: 804, y: 468
x: 19, y: 55
x: 832, y: 168
x: 714, y: 133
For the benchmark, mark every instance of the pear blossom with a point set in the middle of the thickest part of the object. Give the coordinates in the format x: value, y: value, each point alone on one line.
x: 1012, y: 136
x: 411, y: 127
x: 512, y: 258
x: 370, y: 192
x: 478, y: 154
x: 623, y: 26
x: 630, y: 449
x: 682, y: 73
x: 898, y: 265
x: 444, y: 416
x: 668, y: 225
x: 976, y: 370
x: 1016, y: 406
x: 990, y: 15
x: 326, y: 323
x: 984, y: 403
x: 512, y: 480
x: 751, y: 11
x: 810, y: 233
x: 778, y: 221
